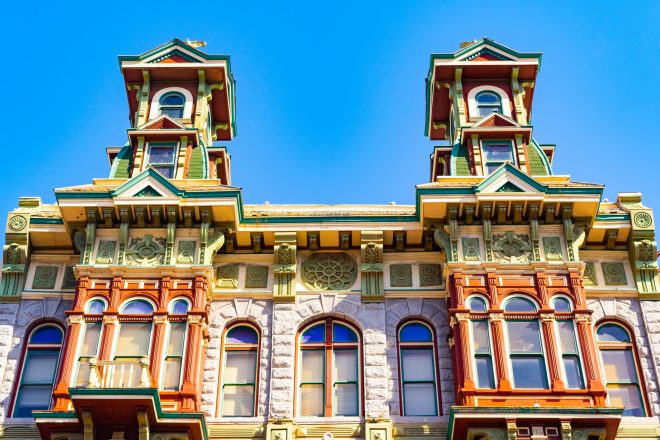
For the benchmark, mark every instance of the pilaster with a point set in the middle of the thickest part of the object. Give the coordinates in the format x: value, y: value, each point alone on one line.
x: 284, y: 283
x: 371, y: 250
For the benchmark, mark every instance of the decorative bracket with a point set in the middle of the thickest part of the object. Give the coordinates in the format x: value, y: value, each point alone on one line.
x: 123, y: 234
x: 90, y: 236
x: 171, y: 233
x: 284, y: 286
x: 371, y: 252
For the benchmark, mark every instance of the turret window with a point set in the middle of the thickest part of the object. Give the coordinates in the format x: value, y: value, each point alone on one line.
x: 162, y: 157
x: 171, y: 104
x: 496, y: 153
x: 487, y: 103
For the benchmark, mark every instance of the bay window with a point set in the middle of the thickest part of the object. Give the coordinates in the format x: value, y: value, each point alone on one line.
x: 133, y: 343
x: 417, y: 366
x: 239, y: 378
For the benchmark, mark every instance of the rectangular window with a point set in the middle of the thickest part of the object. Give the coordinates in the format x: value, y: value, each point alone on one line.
x: 36, y: 386
x: 239, y: 383
x: 570, y: 354
x: 88, y: 349
x: 418, y: 374
x: 174, y: 356
x: 621, y: 377
x: 496, y: 153
x: 527, y: 360
x: 483, y: 359
x: 345, y: 382
x: 312, y: 384
x: 162, y: 158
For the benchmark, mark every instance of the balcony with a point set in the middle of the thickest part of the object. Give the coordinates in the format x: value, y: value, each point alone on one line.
x: 119, y: 374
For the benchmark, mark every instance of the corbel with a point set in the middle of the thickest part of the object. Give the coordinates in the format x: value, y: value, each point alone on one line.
x: 88, y: 425
x: 215, y: 242
x: 257, y: 241
x: 566, y: 430
x: 179, y: 173
x: 217, y: 86
x: 567, y: 221
x: 345, y: 240
x: 520, y: 151
x: 458, y: 95
x: 188, y: 217
x: 171, y: 233
x: 155, y: 216
x: 486, y: 213
x: 371, y: 253
x: 284, y: 285
x: 549, y: 214
x: 399, y: 241
x: 79, y: 240
x: 469, y: 214
x: 518, y: 95
x: 610, y: 238
x: 501, y: 212
x: 140, y: 216
x: 441, y: 238
x: 476, y: 154
x: 143, y: 425
x: 200, y: 108
x: 108, y: 217
x: 511, y: 430
x: 427, y: 236
x: 534, y: 230
x: 90, y: 235
x: 143, y: 99
x: 124, y: 216
x: 579, y: 235
x: 205, y: 217
x: 642, y: 250
x: 518, y: 208
x: 230, y: 248
x: 313, y: 240
x: 139, y: 154
x: 453, y: 231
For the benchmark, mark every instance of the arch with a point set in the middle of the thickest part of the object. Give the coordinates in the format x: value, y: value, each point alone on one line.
x: 472, y: 101
x: 154, y: 107
x: 418, y: 368
x: 136, y: 306
x: 39, y: 363
x: 336, y: 394
x: 175, y: 307
x: 620, y: 363
x: 562, y: 303
x: 520, y: 303
x: 239, y: 389
x: 92, y: 305
x: 472, y: 303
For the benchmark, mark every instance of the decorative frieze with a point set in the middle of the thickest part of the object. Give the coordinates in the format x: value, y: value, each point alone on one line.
x: 186, y: 252
x: 256, y: 277
x: 401, y: 275
x: 226, y: 276
x: 552, y: 249
x: 44, y: 277
x: 329, y: 271
x: 512, y: 248
x: 146, y: 251
x: 614, y: 273
x: 105, y: 254
x: 430, y: 275
x: 471, y: 249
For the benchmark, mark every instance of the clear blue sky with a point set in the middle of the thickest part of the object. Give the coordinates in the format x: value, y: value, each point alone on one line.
x: 330, y: 95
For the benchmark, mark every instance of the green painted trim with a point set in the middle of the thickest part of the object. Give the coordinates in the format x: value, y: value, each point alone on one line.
x: 324, y: 219
x: 55, y: 415
x: 168, y: 45
x: 454, y: 410
x: 509, y: 168
x: 143, y: 175
x: 487, y: 41
x: 544, y: 158
x: 124, y: 157
x: 613, y: 217
x: 46, y: 221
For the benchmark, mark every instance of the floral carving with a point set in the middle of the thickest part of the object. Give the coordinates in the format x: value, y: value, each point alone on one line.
x: 471, y: 249
x: 14, y: 254
x: 401, y: 275
x: 511, y: 247
x: 256, y: 277
x: 430, y: 275
x: 371, y: 254
x: 329, y: 271
x: 590, y: 274
x: 646, y: 251
x: 69, y: 281
x: 105, y: 252
x: 227, y: 276
x: 147, y: 251
x: 44, y: 277
x: 552, y: 248
x: 615, y: 274
x: 186, y: 252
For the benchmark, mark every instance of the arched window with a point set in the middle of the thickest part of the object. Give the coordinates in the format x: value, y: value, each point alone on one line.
x: 329, y: 371
x: 621, y: 369
x: 95, y: 306
x: 179, y: 307
x: 477, y: 304
x: 134, y: 339
x: 40, y: 362
x: 239, y: 378
x: 171, y: 104
x: 174, y: 350
x: 488, y: 102
x: 525, y: 344
x: 417, y: 365
x: 562, y: 305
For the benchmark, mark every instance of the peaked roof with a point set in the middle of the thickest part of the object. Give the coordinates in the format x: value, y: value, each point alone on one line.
x: 160, y: 123
x: 496, y: 120
x: 508, y: 178
x: 175, y: 50
x: 487, y: 49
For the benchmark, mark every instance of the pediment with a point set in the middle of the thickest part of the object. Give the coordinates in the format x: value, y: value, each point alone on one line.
x: 147, y: 185
x: 496, y: 120
x: 489, y: 50
x: 486, y: 54
x: 175, y: 56
x: 509, y: 179
x: 162, y: 122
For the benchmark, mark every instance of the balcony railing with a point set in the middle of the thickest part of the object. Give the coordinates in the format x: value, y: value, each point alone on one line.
x: 119, y: 373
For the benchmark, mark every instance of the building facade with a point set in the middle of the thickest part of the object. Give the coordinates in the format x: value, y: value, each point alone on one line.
x: 509, y: 302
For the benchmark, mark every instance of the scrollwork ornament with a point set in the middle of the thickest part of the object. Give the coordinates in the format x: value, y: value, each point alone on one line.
x: 646, y: 251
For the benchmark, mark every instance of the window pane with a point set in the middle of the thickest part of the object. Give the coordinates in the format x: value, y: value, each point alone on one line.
x: 490, y: 167
x: 573, y: 373
x: 524, y: 336
x: 485, y: 378
x: 46, y: 335
x: 345, y: 365
x: 346, y: 400
x: 314, y: 334
x: 172, y: 373
x: 240, y: 367
x: 529, y: 372
x: 488, y: 98
x: 91, y: 340
x: 167, y: 171
x: 619, y: 365
x: 477, y: 305
x: 311, y: 400
x: 138, y: 307
x: 313, y: 366
x: 31, y: 398
x: 177, y: 334
x: 419, y: 399
x: 567, y: 337
x: 40, y: 367
x: 485, y: 110
x: 417, y: 364
x: 96, y: 307
x: 499, y: 153
x: 519, y: 305
x: 612, y: 333
x: 562, y: 305
x: 238, y: 401
x: 172, y: 112
x: 180, y: 307
x: 161, y: 154
x: 341, y: 333
x: 242, y: 335
x: 133, y: 339
x: 415, y: 332
x: 172, y: 99
x: 82, y: 379
x: 480, y: 336
x: 627, y: 396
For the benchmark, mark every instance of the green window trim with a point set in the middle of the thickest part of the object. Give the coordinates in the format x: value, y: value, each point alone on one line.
x: 169, y: 356
x: 486, y: 354
x: 240, y: 348
x: 169, y: 165
x: 539, y: 355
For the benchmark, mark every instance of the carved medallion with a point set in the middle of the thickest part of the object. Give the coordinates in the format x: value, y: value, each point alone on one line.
x: 44, y: 277
x: 256, y: 277
x: 511, y: 248
x: 615, y: 274
x: 329, y: 271
x: 17, y: 223
x: 430, y: 275
x: 400, y: 275
x: 147, y: 251
x: 226, y: 276
x: 643, y: 220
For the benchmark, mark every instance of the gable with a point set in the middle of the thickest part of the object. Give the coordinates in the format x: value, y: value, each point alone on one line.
x: 508, y: 179
x: 486, y: 54
x: 147, y: 184
x: 496, y: 120
x: 160, y: 123
x: 175, y: 56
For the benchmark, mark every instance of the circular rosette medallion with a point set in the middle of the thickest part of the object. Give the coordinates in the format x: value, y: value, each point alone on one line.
x: 329, y: 271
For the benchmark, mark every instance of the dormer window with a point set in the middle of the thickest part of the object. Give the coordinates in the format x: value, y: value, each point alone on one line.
x: 487, y: 103
x: 496, y: 153
x: 171, y: 104
x: 162, y: 158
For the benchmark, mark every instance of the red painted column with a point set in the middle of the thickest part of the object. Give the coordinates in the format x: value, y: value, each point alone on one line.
x: 110, y: 323
x: 459, y: 299
x: 542, y: 287
x: 160, y: 323
x: 115, y: 293
x: 554, y: 365
x: 499, y: 351
x: 61, y: 391
x: 589, y: 355
x: 491, y: 284
x: 189, y: 388
x: 577, y: 287
x: 461, y: 329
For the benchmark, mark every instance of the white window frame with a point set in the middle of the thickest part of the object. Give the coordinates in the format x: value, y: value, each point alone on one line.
x: 223, y: 365
x: 154, y: 108
x: 183, y: 353
x: 81, y: 338
x: 486, y: 142
x: 177, y: 148
x: 472, y: 101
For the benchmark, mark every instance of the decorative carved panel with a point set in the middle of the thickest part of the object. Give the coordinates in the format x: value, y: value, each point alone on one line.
x: 471, y: 250
x: 512, y: 248
x: 69, y: 281
x: 329, y: 271
x: 105, y: 253
x: 401, y: 275
x: 430, y: 275
x: 44, y: 277
x: 552, y: 249
x: 256, y: 277
x: 614, y: 273
x: 186, y: 252
x: 147, y: 251
x: 590, y: 274
x: 227, y: 276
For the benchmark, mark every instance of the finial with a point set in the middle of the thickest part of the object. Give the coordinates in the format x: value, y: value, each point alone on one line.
x: 195, y: 43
